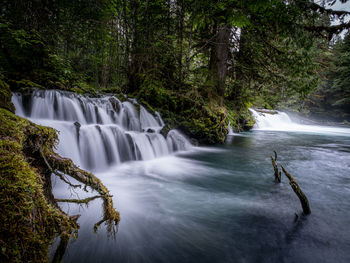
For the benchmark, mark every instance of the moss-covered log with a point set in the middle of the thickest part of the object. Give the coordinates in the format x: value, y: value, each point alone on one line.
x: 272, y: 112
x: 302, y: 197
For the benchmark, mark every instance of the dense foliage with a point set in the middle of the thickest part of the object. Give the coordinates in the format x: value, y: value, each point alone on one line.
x: 201, y: 63
x: 332, y: 98
x: 339, y: 80
x: 203, y: 57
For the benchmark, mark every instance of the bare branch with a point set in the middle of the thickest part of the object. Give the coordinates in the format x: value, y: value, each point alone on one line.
x: 79, y: 201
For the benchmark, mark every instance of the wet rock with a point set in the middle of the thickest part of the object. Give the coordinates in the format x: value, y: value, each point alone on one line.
x: 194, y: 142
x: 115, y: 104
x: 165, y: 130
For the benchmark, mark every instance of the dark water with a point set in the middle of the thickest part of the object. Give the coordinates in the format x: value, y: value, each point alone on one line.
x: 221, y: 204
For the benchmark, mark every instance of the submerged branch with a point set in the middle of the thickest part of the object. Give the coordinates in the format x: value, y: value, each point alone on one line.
x: 302, y: 197
x: 275, y: 168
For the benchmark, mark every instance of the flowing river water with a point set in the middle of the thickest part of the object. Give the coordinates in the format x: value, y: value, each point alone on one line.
x: 180, y: 203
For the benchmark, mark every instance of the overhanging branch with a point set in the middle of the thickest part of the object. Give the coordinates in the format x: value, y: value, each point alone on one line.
x: 328, y: 11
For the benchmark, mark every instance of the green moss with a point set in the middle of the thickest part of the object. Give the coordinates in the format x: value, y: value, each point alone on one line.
x: 23, y: 84
x: 28, y: 221
x: 193, y: 110
x: 83, y: 88
x: 5, y: 95
x: 197, y: 118
x: 240, y: 120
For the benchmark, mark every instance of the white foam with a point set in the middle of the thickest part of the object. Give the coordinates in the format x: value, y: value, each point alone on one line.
x: 282, y: 122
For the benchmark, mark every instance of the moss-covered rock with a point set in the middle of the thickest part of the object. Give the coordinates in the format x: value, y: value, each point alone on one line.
x: 5, y: 96
x: 202, y: 119
x: 241, y: 120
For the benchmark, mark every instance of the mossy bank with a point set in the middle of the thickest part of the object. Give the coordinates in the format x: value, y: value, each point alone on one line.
x: 30, y: 216
x: 29, y: 220
x: 200, y: 116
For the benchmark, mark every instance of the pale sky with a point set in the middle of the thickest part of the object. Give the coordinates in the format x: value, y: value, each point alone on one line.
x: 340, y: 6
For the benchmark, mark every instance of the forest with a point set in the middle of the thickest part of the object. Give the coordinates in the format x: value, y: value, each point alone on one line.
x: 178, y: 56
x: 199, y: 64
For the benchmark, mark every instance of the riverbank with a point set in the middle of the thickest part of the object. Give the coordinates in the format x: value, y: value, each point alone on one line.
x: 30, y: 215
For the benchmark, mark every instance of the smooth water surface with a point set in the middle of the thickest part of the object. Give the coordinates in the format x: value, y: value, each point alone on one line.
x: 221, y: 204
x: 180, y: 203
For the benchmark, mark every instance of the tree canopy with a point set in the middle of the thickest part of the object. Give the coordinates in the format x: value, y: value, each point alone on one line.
x: 240, y: 52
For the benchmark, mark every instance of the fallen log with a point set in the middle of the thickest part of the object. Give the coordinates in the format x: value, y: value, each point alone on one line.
x: 302, y: 197
x: 272, y: 112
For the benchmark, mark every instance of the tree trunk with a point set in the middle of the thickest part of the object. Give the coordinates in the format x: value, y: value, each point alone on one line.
x: 218, y: 59
x: 180, y: 38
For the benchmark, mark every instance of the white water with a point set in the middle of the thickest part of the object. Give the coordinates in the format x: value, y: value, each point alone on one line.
x: 177, y: 209
x: 282, y: 122
x: 99, y: 132
x: 230, y: 129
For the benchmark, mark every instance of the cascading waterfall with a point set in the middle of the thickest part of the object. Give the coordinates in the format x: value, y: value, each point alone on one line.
x: 264, y: 121
x: 230, y: 129
x: 98, y: 132
x: 280, y: 121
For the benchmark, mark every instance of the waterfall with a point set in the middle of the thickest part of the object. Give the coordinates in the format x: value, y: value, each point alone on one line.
x: 230, y: 129
x: 99, y: 132
x: 266, y: 121
x: 280, y: 121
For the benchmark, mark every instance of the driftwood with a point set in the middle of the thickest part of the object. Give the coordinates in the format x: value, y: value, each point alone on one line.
x: 275, y: 168
x: 302, y: 197
x: 272, y: 112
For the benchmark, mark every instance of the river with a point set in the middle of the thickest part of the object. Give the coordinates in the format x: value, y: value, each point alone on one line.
x: 221, y: 203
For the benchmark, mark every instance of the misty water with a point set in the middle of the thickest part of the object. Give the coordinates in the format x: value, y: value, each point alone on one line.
x: 204, y: 204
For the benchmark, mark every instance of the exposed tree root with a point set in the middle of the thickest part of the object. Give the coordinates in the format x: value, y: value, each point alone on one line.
x: 302, y: 197
x: 61, y: 176
x: 61, y: 249
x: 42, y: 146
x: 31, y: 217
x: 111, y: 217
x: 78, y: 201
x: 65, y: 165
